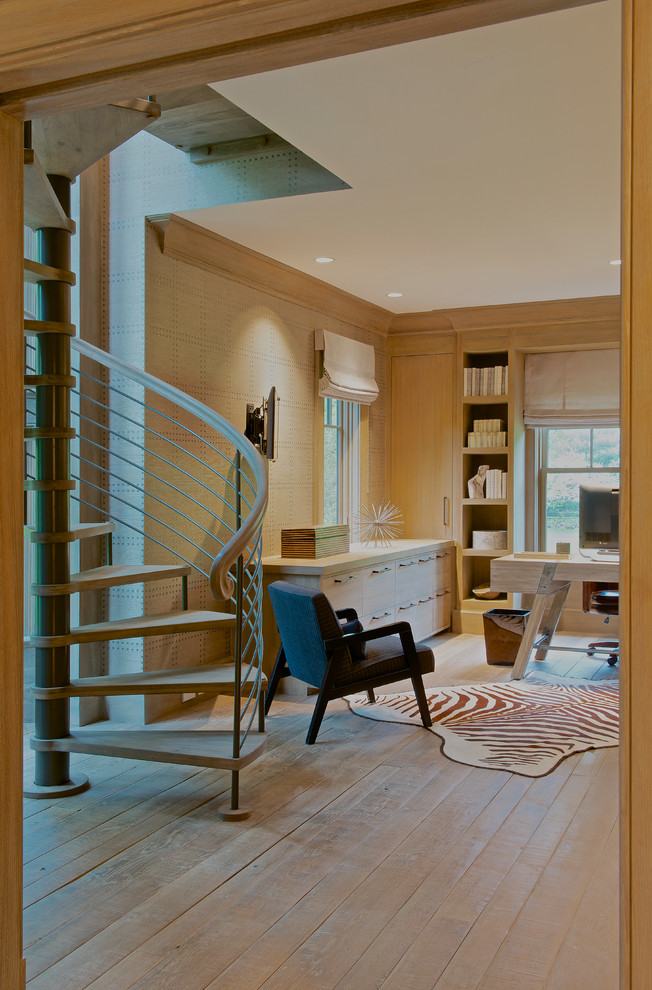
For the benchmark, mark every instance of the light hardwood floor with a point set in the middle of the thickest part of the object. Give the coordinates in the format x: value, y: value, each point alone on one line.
x: 370, y: 861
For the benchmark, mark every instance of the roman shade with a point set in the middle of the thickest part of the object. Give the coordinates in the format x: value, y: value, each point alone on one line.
x: 572, y: 388
x: 348, y: 369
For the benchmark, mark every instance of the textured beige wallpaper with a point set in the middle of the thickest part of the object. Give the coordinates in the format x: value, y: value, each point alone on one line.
x: 226, y: 344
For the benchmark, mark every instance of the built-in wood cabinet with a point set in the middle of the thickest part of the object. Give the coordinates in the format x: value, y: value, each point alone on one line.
x: 429, y: 419
x: 411, y: 580
x: 485, y: 440
x: 421, y: 442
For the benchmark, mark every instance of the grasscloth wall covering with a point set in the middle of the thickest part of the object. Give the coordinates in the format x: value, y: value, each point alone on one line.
x: 222, y: 343
x: 226, y: 344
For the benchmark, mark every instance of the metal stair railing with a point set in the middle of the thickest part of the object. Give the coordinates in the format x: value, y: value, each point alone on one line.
x: 183, y: 482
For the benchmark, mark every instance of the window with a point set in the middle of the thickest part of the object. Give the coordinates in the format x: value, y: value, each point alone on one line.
x: 341, y: 461
x: 568, y: 456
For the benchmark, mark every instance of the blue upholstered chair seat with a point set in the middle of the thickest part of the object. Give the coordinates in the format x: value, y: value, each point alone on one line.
x: 331, y: 651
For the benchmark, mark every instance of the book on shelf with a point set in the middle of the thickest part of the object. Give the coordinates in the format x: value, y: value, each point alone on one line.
x: 496, y: 483
x: 500, y: 380
x: 485, y: 381
x: 497, y: 439
x: 488, y: 425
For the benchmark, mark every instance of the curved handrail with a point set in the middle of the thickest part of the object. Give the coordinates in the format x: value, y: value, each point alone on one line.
x: 221, y: 582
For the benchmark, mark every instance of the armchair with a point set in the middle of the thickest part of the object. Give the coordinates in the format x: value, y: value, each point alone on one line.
x: 319, y: 647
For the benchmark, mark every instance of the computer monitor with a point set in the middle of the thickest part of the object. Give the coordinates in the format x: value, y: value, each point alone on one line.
x: 598, y: 516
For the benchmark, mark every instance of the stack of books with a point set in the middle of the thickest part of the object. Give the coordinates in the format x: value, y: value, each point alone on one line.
x: 315, y: 541
x: 485, y: 381
x: 487, y: 433
x: 495, y: 483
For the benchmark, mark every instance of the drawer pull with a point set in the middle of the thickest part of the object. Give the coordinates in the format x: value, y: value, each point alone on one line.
x: 381, y: 570
x: 407, y: 563
x: 377, y: 618
x: 345, y: 580
x: 424, y: 601
x: 442, y: 594
x: 425, y: 560
x: 404, y: 608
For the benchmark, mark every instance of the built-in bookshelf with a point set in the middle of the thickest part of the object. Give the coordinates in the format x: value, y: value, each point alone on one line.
x: 485, y: 453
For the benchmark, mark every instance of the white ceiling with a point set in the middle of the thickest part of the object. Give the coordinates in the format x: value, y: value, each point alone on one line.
x: 484, y: 165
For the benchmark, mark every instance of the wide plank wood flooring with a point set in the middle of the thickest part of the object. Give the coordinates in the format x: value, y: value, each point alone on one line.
x: 369, y: 861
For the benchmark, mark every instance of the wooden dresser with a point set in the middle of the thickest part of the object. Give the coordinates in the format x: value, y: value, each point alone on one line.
x: 410, y: 580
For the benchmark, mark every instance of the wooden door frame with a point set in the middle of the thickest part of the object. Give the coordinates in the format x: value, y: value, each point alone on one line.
x: 50, y: 63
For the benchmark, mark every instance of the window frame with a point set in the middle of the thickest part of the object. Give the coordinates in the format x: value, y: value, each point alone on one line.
x: 348, y: 461
x: 541, y: 447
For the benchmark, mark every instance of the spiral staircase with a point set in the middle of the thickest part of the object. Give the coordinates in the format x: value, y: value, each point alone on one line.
x: 115, y: 457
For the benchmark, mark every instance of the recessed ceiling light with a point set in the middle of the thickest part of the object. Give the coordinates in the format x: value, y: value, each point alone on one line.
x: 617, y: 261
x: 324, y: 261
x: 394, y: 295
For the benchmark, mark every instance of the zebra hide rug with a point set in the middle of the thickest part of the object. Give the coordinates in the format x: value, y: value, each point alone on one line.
x: 520, y: 726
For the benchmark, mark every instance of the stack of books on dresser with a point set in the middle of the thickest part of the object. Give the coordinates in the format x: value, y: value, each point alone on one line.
x: 485, y: 381
x: 487, y: 433
x: 315, y: 541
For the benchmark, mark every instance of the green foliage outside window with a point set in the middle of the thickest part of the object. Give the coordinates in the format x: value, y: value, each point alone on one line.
x: 332, y: 461
x: 570, y: 457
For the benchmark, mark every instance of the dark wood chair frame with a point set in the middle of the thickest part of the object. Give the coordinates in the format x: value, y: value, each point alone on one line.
x: 328, y: 690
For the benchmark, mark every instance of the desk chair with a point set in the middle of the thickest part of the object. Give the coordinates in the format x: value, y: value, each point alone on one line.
x: 602, y: 599
x: 331, y: 651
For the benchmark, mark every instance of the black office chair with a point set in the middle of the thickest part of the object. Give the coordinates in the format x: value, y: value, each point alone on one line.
x: 602, y: 599
x: 331, y: 651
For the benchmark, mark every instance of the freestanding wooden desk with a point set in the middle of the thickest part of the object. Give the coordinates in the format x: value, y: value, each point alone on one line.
x: 548, y: 580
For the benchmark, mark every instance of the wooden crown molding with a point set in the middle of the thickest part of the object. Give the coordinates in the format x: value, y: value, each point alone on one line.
x: 194, y: 245
x: 58, y: 55
x: 599, y: 311
x: 597, y: 316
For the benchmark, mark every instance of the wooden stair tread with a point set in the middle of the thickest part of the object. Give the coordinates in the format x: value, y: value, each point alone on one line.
x: 81, y: 531
x: 41, y: 206
x: 31, y: 381
x: 35, y: 272
x: 140, y: 625
x: 194, y: 748
x: 50, y: 432
x: 50, y: 485
x: 35, y: 327
x: 206, y: 679
x: 112, y: 576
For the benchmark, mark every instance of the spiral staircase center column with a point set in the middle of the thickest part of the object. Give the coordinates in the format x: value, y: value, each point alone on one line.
x: 52, y: 503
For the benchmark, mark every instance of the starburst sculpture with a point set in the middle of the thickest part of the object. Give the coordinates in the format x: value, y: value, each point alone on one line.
x: 379, y: 524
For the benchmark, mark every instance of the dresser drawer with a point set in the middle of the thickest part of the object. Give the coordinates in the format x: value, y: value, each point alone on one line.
x: 442, y: 570
x: 408, y: 577
x: 380, y: 617
x: 344, y: 590
x: 442, y: 611
x: 420, y: 616
x: 415, y: 577
x: 379, y: 587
